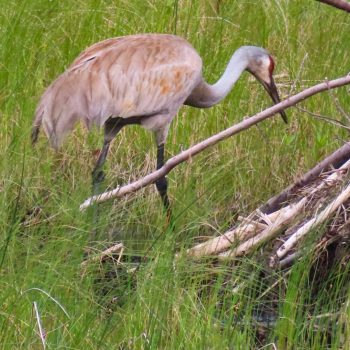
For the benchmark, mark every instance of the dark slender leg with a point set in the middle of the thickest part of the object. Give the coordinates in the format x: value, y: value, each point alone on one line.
x: 112, y: 127
x: 97, y: 173
x: 162, y: 184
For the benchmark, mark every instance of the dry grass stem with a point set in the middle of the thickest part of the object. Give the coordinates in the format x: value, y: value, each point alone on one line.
x: 42, y: 333
x: 325, y: 118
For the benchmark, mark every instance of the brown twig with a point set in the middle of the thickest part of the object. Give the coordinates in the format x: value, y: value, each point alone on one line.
x: 339, y: 4
x: 329, y: 120
x: 117, y: 248
x: 192, y: 151
x: 336, y: 159
x: 316, y: 221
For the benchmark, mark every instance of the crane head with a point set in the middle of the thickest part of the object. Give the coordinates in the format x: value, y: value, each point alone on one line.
x: 262, y: 65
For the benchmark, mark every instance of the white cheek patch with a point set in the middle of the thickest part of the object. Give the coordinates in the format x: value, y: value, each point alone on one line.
x: 264, y: 71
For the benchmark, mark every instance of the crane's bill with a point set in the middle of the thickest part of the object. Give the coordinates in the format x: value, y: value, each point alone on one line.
x: 272, y: 90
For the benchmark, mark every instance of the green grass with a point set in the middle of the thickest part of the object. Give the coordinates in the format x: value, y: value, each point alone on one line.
x: 189, y: 305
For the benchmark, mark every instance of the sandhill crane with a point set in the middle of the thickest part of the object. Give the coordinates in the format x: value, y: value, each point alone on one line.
x: 140, y: 79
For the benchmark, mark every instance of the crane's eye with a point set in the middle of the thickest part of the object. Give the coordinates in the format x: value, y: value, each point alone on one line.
x: 259, y: 62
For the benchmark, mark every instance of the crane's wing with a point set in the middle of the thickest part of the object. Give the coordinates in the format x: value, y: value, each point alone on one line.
x: 132, y: 76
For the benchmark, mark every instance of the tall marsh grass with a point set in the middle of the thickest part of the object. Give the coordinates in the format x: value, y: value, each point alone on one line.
x: 187, y: 305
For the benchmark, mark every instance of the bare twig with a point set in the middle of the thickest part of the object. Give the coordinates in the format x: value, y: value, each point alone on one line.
x: 286, y: 216
x: 224, y: 241
x: 325, y: 118
x: 319, y: 219
x: 289, y: 259
x: 117, y: 248
x: 286, y: 261
x: 339, y: 4
x: 336, y: 159
x: 192, y: 151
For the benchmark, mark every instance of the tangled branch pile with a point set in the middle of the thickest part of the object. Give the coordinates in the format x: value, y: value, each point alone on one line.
x: 319, y: 204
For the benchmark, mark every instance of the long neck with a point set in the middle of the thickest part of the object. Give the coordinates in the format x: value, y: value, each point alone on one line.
x: 206, y: 95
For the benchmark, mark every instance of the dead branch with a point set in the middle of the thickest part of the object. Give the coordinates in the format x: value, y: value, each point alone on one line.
x: 224, y: 241
x: 117, y: 248
x: 342, y: 233
x: 192, y: 151
x: 278, y: 220
x: 316, y: 221
x: 286, y: 261
x: 285, y: 216
x: 339, y: 4
x: 334, y: 160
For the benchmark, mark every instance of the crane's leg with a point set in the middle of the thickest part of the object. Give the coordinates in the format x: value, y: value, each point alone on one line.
x: 162, y: 183
x: 97, y: 173
x: 112, y: 127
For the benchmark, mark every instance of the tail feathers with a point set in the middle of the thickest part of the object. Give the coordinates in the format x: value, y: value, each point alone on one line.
x: 35, y: 134
x: 56, y: 129
x: 36, y: 125
x: 60, y: 107
x: 43, y: 121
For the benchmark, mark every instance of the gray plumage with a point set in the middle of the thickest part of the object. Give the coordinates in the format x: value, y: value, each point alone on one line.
x: 139, y: 79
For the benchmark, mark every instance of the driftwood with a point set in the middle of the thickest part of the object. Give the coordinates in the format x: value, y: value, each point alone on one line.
x: 192, y: 151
